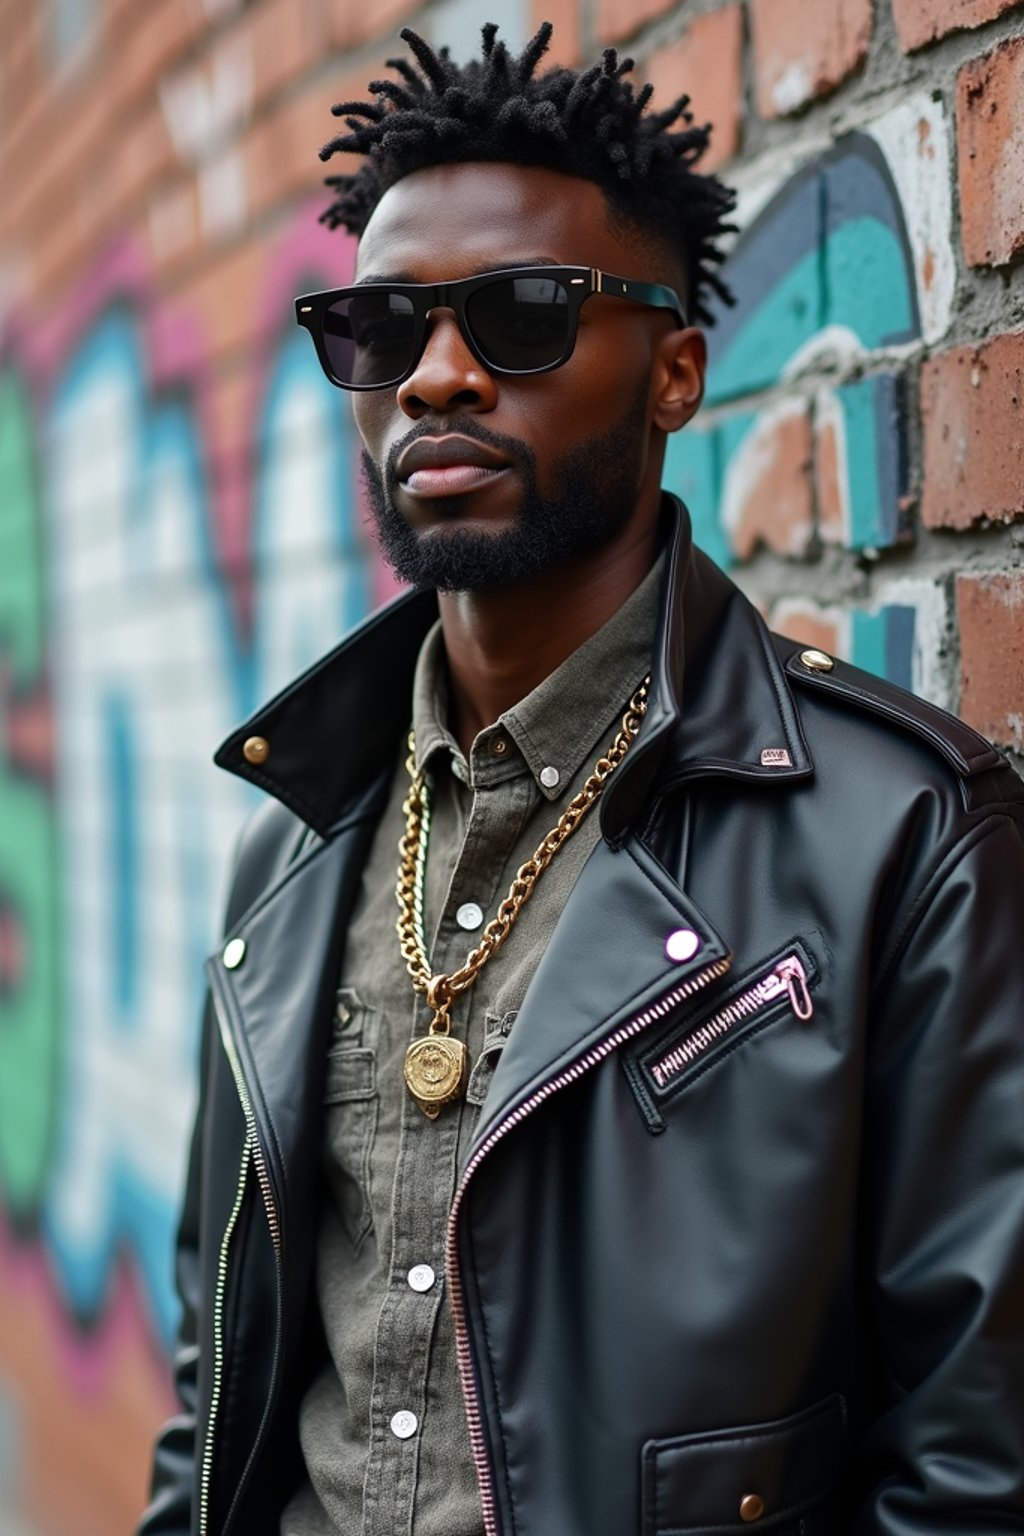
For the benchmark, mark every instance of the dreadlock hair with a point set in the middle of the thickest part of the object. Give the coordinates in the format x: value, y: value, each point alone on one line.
x: 589, y: 123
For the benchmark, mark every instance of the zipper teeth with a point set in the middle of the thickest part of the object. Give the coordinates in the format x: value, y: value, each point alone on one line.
x: 590, y: 1059
x: 218, y: 1336
x: 253, y: 1150
x: 258, y: 1155
x: 767, y: 990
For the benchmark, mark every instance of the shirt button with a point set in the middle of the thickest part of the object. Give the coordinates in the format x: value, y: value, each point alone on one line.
x: 421, y: 1277
x: 549, y: 777
x: 469, y: 916
x: 499, y: 746
x: 403, y: 1424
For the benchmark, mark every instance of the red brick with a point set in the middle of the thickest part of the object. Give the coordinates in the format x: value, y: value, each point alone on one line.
x: 617, y: 19
x: 805, y: 621
x: 140, y: 157
x: 564, y: 16
x: 920, y: 22
x: 805, y: 48
x: 352, y: 22
x: 281, y: 147
x: 162, y: 31
x: 23, y: 66
x: 172, y: 227
x: 706, y: 63
x: 767, y: 497
x: 990, y: 611
x: 990, y: 139
x: 281, y: 33
x: 220, y: 294
x: 972, y: 408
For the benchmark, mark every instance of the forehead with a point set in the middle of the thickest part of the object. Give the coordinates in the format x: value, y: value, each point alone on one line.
x: 451, y: 221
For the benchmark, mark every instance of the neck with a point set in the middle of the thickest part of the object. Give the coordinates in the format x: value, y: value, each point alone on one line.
x: 502, y: 644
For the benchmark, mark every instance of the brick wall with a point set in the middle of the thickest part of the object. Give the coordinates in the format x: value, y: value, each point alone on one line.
x: 180, y: 528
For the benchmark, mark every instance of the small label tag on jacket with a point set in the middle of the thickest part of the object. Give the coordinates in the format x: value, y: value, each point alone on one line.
x: 776, y: 757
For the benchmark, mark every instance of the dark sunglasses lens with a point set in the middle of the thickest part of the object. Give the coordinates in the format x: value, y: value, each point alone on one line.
x: 369, y: 338
x: 520, y: 323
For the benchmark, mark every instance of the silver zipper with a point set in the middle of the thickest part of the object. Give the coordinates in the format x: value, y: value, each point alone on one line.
x: 218, y: 1338
x: 252, y: 1151
x: 591, y: 1058
x: 787, y: 976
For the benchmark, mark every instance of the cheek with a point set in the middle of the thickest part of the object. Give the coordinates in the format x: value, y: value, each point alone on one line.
x: 371, y: 413
x: 614, y: 350
x: 597, y: 387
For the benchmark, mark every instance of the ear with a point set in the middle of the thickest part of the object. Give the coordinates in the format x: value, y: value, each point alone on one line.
x: 680, y: 364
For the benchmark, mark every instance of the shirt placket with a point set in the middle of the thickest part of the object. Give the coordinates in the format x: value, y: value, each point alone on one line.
x: 428, y: 1158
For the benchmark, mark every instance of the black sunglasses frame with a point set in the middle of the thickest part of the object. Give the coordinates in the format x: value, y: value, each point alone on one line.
x: 580, y: 283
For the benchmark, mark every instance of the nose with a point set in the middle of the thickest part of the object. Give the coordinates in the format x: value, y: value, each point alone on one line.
x: 447, y: 377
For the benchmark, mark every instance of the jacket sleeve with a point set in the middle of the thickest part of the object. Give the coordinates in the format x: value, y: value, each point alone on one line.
x: 944, y: 1201
x: 174, y: 1472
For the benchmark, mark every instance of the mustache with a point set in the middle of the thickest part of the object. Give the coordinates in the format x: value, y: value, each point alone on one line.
x: 466, y: 426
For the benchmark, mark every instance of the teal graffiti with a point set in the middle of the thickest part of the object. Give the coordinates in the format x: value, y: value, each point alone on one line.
x: 830, y: 252
x: 28, y: 1006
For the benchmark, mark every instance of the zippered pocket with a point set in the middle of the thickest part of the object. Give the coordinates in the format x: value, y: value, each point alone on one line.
x: 776, y: 988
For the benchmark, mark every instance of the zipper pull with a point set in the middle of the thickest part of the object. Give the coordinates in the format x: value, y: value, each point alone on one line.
x: 791, y: 971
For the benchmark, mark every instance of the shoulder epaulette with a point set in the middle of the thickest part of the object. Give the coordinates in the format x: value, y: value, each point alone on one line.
x: 963, y: 748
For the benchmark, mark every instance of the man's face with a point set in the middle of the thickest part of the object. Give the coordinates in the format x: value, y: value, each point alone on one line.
x: 573, y: 453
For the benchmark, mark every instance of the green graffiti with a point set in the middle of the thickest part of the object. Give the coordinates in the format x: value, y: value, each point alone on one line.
x: 29, y: 1001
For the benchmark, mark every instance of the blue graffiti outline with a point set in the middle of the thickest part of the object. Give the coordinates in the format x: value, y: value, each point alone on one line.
x: 138, y: 1219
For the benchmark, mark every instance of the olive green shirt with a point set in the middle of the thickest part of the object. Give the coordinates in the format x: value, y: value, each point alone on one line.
x: 382, y: 1426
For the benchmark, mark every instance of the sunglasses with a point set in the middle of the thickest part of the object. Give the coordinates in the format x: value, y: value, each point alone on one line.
x: 518, y: 321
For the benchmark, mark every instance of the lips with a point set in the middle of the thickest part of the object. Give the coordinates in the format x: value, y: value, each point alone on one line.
x: 446, y: 465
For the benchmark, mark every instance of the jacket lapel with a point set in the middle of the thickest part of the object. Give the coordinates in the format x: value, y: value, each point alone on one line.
x: 606, y: 962
x: 277, y: 1002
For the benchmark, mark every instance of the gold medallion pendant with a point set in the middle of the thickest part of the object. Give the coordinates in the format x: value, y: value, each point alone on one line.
x: 435, y: 1072
x: 437, y: 1065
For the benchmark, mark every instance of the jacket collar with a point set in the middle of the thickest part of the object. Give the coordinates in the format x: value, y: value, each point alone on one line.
x: 719, y: 699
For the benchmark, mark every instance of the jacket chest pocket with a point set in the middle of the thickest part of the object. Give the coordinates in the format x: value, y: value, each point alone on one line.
x: 350, y: 1120
x: 781, y: 1477
x: 780, y: 987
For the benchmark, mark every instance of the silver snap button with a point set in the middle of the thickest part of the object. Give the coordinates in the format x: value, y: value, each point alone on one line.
x: 550, y: 777
x: 403, y: 1424
x: 682, y: 945
x: 234, y: 954
x: 421, y: 1277
x: 469, y: 916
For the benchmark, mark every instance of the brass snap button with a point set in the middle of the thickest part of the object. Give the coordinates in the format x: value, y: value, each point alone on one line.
x: 817, y: 661
x: 751, y: 1508
x: 256, y: 750
x: 499, y: 746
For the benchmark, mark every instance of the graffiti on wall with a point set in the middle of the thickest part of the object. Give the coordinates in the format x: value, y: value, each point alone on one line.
x: 841, y: 269
x: 157, y: 582
x: 154, y: 588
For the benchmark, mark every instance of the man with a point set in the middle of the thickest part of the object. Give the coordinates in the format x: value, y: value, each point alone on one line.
x: 662, y: 1173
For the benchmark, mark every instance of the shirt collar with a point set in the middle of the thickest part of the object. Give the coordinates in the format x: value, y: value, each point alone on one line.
x: 556, y: 728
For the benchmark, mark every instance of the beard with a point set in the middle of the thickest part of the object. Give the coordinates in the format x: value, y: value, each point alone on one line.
x: 595, y: 489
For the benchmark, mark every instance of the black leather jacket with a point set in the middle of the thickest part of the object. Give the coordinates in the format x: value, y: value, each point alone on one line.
x: 740, y: 1242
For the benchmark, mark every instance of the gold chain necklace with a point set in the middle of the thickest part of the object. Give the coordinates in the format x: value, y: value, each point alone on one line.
x: 436, y: 1065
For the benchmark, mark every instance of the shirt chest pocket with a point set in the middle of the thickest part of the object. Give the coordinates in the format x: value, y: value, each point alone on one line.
x: 350, y: 1120
x: 783, y: 1477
